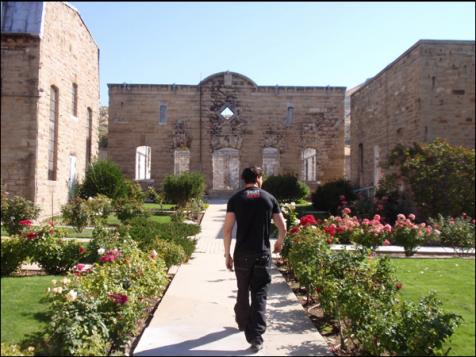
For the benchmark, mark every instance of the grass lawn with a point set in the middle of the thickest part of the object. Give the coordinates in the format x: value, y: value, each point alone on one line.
x: 23, y: 307
x: 165, y: 206
x: 453, y: 280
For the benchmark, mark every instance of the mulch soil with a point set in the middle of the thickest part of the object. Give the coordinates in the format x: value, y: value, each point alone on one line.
x: 315, y: 313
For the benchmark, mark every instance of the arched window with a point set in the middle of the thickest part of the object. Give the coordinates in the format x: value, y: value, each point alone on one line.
x: 270, y: 161
x: 309, y: 164
x: 181, y: 161
x: 143, y: 163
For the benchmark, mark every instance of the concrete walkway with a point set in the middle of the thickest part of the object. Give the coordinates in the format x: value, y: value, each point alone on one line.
x: 196, y: 317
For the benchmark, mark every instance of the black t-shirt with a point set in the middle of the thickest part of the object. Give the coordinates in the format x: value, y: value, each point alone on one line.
x: 253, y: 209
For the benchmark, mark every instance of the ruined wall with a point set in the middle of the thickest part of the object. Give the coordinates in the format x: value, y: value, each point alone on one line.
x: 134, y: 113
x: 68, y: 55
x: 260, y: 119
x: 400, y: 105
x: 20, y: 61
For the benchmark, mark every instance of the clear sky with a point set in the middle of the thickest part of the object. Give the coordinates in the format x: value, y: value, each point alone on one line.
x: 285, y: 43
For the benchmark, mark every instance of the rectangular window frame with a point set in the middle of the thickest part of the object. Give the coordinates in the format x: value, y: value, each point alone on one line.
x: 74, y: 103
x: 163, y: 114
x: 53, y: 134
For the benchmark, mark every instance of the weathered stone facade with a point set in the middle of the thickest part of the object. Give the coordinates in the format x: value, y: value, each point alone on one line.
x: 226, y: 123
x: 427, y: 92
x: 38, y: 63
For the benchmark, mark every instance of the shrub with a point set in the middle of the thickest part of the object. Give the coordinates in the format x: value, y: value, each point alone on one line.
x: 170, y: 252
x: 328, y: 197
x: 151, y: 195
x: 16, y: 350
x: 103, y: 177
x: 16, y: 209
x: 96, y: 311
x: 410, y: 235
x: 55, y: 255
x: 390, y: 200
x: 13, y: 253
x: 180, y: 189
x: 440, y: 177
x: 133, y: 191
x: 359, y: 293
x: 99, y: 208
x: 127, y: 209
x: 457, y: 233
x: 286, y: 188
x: 76, y: 213
x: 146, y: 232
x: 422, y: 328
x: 371, y: 233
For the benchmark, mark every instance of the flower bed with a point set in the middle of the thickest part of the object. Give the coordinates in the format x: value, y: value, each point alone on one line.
x: 359, y: 293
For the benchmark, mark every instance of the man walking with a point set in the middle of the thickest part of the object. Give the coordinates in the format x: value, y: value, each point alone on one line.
x: 252, y: 209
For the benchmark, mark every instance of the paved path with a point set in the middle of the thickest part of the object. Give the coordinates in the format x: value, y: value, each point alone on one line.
x: 196, y: 318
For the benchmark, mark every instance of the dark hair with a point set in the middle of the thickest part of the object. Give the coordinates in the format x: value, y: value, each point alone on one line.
x: 251, y: 174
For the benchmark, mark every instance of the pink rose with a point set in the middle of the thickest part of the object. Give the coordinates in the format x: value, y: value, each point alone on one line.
x: 387, y: 228
x: 346, y: 211
x: 377, y: 218
x: 386, y: 242
x: 401, y: 217
x: 411, y: 216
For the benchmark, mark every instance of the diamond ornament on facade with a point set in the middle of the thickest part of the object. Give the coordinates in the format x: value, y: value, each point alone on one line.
x: 227, y: 113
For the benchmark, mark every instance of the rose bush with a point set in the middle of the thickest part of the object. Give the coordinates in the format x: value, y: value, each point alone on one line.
x: 360, y: 295
x: 457, y: 233
x: 95, y: 312
x: 410, y: 235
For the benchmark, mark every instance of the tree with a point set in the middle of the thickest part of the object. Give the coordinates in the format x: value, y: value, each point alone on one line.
x: 440, y: 176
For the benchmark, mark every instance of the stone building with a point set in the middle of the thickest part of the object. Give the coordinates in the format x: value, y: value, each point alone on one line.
x: 49, y: 101
x: 223, y: 124
x: 427, y: 92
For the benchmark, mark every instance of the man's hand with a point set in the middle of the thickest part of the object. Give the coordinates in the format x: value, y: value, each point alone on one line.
x: 278, y: 246
x: 229, y: 262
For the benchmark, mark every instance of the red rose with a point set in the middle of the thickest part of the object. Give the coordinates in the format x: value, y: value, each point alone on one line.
x: 398, y: 285
x: 331, y: 230
x: 318, y: 290
x: 330, y: 240
x: 118, y: 298
x: 81, y: 250
x: 25, y: 222
x: 295, y: 229
x: 31, y: 235
x: 307, y: 219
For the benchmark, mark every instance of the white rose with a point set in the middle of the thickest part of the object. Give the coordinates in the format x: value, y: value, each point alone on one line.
x: 101, y: 251
x: 66, y: 281
x: 153, y: 254
x: 53, y: 282
x: 72, y: 295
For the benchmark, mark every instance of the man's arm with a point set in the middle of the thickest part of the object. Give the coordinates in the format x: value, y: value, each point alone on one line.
x: 280, y: 222
x: 227, y: 229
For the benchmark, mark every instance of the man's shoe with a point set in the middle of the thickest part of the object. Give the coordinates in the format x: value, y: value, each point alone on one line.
x: 256, y: 346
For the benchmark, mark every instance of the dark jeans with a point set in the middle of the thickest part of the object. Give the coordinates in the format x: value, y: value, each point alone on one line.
x: 252, y: 275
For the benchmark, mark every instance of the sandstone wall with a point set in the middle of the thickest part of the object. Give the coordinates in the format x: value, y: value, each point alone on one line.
x: 20, y: 59
x: 402, y: 104
x: 260, y: 121
x: 68, y: 54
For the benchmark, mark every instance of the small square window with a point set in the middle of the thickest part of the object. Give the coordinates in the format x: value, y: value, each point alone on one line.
x: 227, y: 113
